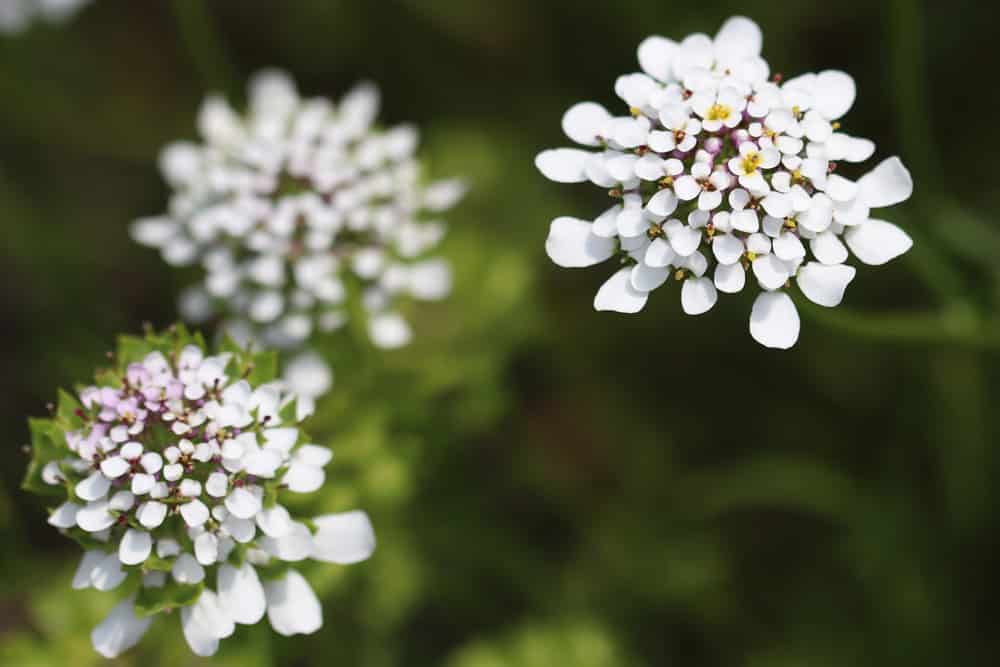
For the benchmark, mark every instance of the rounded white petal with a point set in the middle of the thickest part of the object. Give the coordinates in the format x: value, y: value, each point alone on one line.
x: 887, y: 184
x: 833, y: 93
x: 343, y: 538
x: 563, y: 165
x: 194, y: 512
x: 83, y: 576
x: 656, y: 55
x: 151, y: 514
x: 583, y: 122
x: 659, y: 254
x: 241, y: 593
x: 730, y: 278
x: 108, y: 573
x: 774, y: 321
x: 788, y: 247
x: 876, y: 242
x: 698, y: 295
x: 828, y: 248
x: 135, y: 547
x: 389, y: 331
x: 204, y: 623
x: 646, y: 278
x: 295, y: 545
x: 618, y: 295
x: 242, y: 503
x: 304, y: 478
x: 727, y: 248
x: 571, y: 243
x: 94, y: 487
x: 120, y: 630
x: 771, y: 272
x: 738, y: 38
x: 187, y: 570
x: 64, y: 516
x: 663, y: 203
x: 292, y: 607
x: 206, y: 548
x: 94, y: 517
x: 823, y: 284
x: 114, y: 467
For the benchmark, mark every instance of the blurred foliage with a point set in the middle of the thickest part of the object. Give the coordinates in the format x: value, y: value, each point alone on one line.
x: 550, y: 485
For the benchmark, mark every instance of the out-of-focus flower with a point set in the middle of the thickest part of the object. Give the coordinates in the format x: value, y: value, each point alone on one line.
x: 172, y: 470
x: 721, y: 170
x: 17, y: 15
x: 302, y: 214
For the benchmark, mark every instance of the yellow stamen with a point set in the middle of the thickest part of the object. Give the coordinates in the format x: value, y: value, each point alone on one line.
x: 751, y: 161
x: 718, y: 112
x: 751, y: 255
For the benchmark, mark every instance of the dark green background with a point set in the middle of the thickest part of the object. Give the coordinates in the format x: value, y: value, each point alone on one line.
x: 550, y: 485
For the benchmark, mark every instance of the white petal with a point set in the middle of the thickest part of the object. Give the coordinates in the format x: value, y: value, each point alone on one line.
x: 730, y: 278
x: 777, y: 205
x: 64, y: 516
x: 646, y: 278
x: 343, y: 538
x: 656, y: 55
x: 108, y: 573
x: 194, y: 512
x: 774, y: 321
x: 295, y: 545
x: 241, y: 593
x: 563, y: 165
x: 788, y: 247
x: 206, y: 548
x: 663, y: 203
x: 659, y: 254
x: 833, y: 94
x: 698, y: 295
x: 135, y: 547
x: 824, y: 284
x: 684, y: 239
x: 687, y: 188
x: 583, y: 122
x: 303, y: 478
x: 876, y: 242
x: 241, y: 530
x: 389, y: 331
x: 94, y: 487
x: 114, y: 467
x: 727, y: 248
x: 887, y: 184
x: 618, y: 295
x: 274, y: 521
x: 771, y: 272
x: 187, y: 570
x: 204, y: 623
x: 828, y: 248
x: 151, y: 514
x: 84, y: 572
x: 94, y: 517
x: 120, y: 630
x: 840, y: 189
x: 292, y: 607
x: 738, y: 38
x: 242, y: 503
x: 631, y: 223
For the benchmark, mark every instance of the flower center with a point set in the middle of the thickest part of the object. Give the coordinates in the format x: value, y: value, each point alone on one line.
x: 719, y: 112
x: 751, y: 161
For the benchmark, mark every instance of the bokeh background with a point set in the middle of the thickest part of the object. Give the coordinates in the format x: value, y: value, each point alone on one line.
x: 550, y: 485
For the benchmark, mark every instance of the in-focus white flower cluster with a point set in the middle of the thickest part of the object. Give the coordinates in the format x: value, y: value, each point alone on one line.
x: 299, y: 210
x: 173, y: 475
x: 17, y: 15
x: 721, y: 170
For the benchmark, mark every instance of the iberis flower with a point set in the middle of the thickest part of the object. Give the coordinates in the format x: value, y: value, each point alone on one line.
x: 17, y: 15
x: 302, y: 214
x: 176, y: 472
x: 718, y: 171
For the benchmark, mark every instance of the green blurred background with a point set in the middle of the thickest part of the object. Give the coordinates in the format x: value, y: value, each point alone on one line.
x: 550, y: 485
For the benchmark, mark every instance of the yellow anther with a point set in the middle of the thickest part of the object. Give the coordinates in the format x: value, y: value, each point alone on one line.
x: 667, y: 181
x: 635, y: 111
x: 835, y: 125
x: 718, y: 112
x: 751, y: 255
x: 679, y: 275
x: 751, y: 161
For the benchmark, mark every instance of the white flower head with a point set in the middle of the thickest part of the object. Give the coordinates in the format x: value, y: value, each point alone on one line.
x: 174, y: 470
x: 723, y: 177
x: 298, y: 208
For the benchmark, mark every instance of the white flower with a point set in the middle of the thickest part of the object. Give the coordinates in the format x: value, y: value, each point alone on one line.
x: 17, y: 15
x: 205, y: 456
x: 286, y: 205
x: 719, y: 172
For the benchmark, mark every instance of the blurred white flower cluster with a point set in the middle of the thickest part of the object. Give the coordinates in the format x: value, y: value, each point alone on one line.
x: 302, y: 214
x: 17, y: 15
x: 172, y: 473
x: 720, y: 170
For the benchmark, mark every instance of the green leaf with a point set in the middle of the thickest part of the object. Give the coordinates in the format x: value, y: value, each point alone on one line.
x: 171, y: 596
x: 264, y: 368
x: 67, y: 409
x: 46, y: 446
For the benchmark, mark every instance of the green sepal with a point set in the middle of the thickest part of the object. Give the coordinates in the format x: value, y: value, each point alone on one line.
x: 170, y: 596
x: 86, y: 540
x: 288, y: 412
x: 275, y: 570
x: 47, y: 444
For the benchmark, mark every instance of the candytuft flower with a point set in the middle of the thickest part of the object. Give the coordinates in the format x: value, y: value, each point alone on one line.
x: 722, y: 176
x: 301, y: 212
x: 174, y: 470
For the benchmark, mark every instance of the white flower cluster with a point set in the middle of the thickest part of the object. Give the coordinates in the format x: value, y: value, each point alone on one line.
x: 174, y: 476
x: 17, y: 15
x: 719, y: 170
x: 296, y: 208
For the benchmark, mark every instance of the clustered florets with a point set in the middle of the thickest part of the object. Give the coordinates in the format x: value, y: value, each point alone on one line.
x: 173, y: 469
x: 719, y: 170
x: 297, y: 211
